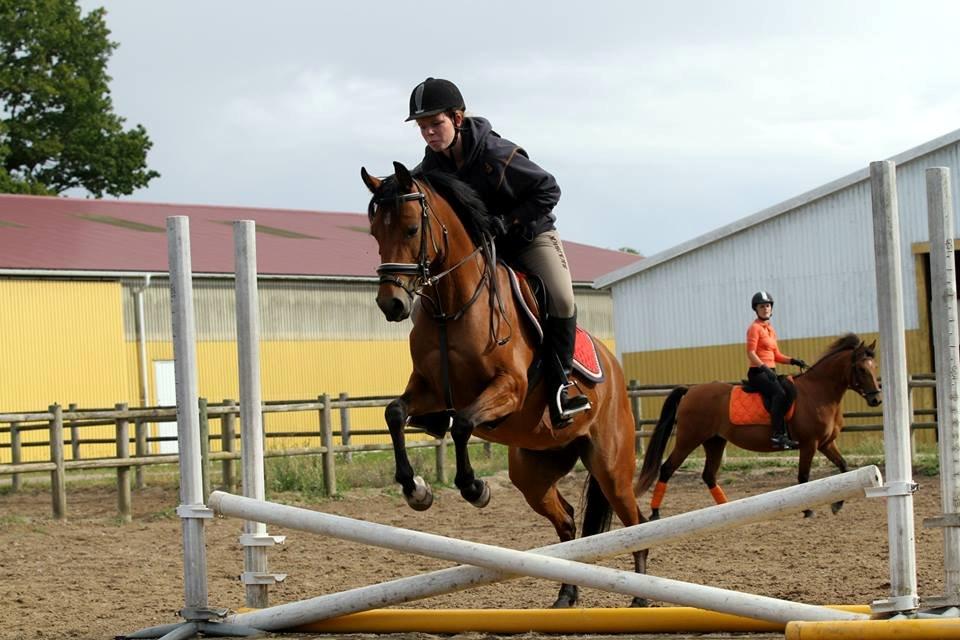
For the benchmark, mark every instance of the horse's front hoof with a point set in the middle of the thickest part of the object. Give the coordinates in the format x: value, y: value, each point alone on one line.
x: 484, y: 498
x: 807, y: 513
x: 639, y: 602
x: 422, y: 497
x: 836, y: 506
x: 654, y: 515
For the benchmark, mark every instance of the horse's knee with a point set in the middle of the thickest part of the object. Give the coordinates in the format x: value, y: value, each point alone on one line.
x: 461, y: 429
x: 396, y: 413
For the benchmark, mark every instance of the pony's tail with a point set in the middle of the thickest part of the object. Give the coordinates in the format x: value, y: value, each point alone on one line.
x: 658, y: 441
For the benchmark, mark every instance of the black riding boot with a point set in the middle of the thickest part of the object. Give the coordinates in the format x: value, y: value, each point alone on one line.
x: 780, y: 436
x: 561, y: 334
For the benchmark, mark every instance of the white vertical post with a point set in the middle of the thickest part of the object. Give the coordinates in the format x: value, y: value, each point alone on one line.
x: 255, y: 539
x: 899, y: 486
x: 191, y: 510
x: 943, y: 308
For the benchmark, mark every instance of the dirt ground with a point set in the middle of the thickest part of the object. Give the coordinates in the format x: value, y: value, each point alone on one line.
x: 90, y: 577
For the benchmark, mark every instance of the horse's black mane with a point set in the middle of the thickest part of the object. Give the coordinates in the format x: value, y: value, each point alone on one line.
x: 843, y: 343
x: 462, y: 198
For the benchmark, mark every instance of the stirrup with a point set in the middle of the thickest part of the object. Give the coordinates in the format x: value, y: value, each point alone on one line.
x: 784, y: 442
x: 567, y: 414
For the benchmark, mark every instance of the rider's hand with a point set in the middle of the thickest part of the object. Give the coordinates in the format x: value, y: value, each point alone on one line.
x: 797, y: 362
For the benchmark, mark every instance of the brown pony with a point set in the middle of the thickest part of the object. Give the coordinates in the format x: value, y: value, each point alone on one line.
x: 475, y: 363
x: 702, y: 418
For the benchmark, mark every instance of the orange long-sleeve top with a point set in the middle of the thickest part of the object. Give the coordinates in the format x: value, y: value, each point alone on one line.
x: 762, y: 339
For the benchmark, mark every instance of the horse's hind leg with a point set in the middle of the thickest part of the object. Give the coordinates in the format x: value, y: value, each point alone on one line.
x: 535, y: 474
x: 417, y: 492
x: 680, y: 452
x: 713, y: 448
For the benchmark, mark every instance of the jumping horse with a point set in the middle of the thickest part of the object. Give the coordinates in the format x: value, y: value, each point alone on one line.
x: 474, y: 363
x: 702, y: 417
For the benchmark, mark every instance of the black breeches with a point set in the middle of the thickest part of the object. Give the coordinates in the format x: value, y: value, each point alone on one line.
x: 765, y: 381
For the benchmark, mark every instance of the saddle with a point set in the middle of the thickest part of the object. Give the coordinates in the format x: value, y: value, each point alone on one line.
x: 749, y: 406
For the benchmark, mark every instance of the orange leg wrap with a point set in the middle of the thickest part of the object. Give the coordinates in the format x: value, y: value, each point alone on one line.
x: 658, y: 492
x: 718, y: 495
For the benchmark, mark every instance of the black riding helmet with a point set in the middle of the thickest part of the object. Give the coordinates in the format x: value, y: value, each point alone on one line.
x: 433, y: 96
x: 761, y: 297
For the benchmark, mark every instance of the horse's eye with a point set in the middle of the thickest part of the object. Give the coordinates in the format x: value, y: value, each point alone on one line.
x: 412, y: 230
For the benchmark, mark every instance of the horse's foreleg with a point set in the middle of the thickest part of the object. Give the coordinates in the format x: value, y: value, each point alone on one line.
x: 803, y: 471
x: 417, y: 492
x: 714, y: 458
x: 832, y: 452
x: 499, y: 399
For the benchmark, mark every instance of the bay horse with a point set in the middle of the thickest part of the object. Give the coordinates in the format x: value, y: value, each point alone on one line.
x: 472, y: 352
x: 702, y: 417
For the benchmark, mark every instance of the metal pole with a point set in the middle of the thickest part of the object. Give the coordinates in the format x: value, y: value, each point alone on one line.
x: 191, y: 510
x: 510, y: 563
x: 140, y: 450
x: 328, y: 456
x: 255, y: 539
x: 899, y: 486
x: 946, y: 345
x: 228, y: 441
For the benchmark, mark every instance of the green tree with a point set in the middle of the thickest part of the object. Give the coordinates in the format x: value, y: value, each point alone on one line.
x: 58, y: 130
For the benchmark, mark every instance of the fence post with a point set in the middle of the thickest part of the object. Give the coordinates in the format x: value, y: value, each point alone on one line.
x: 58, y: 481
x: 442, y: 459
x: 228, y: 440
x: 74, y: 434
x: 913, y: 431
x: 140, y: 451
x: 15, y: 457
x: 123, y: 473
x: 204, y: 448
x: 345, y: 424
x: 326, y: 439
x: 637, y: 409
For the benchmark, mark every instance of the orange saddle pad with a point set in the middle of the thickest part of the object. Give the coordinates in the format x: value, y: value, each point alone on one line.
x: 747, y: 408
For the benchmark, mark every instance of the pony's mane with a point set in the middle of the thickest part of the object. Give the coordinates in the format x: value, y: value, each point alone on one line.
x: 461, y: 197
x: 843, y: 343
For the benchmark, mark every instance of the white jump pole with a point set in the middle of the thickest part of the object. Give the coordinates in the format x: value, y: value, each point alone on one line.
x: 255, y: 541
x: 191, y: 510
x: 943, y: 309
x: 899, y: 487
x: 753, y: 509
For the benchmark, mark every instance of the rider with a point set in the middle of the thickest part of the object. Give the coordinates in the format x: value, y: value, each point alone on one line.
x: 523, y: 195
x: 763, y: 354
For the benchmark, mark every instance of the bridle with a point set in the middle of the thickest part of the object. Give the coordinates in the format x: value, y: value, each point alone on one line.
x: 855, y: 382
x: 390, y: 272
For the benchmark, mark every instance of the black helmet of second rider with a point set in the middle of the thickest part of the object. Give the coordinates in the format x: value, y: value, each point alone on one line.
x: 761, y: 297
x: 433, y: 96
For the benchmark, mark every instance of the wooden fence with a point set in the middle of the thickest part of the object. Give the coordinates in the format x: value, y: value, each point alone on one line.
x: 64, y: 429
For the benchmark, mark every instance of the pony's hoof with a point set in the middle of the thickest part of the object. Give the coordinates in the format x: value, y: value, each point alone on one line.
x: 807, y: 513
x: 484, y: 498
x: 568, y: 596
x: 422, y: 497
x: 836, y: 506
x: 639, y: 602
x: 655, y: 515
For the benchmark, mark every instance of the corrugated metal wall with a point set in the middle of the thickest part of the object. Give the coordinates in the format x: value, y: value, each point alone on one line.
x: 74, y: 341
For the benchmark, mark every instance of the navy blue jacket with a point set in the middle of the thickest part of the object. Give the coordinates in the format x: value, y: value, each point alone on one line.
x: 509, y: 183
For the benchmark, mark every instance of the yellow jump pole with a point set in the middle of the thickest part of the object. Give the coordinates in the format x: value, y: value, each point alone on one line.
x: 925, y: 629
x: 511, y: 621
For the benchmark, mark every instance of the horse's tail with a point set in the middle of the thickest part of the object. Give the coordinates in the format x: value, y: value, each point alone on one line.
x: 658, y: 441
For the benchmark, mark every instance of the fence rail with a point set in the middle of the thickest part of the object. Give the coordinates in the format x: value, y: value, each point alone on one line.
x: 56, y: 421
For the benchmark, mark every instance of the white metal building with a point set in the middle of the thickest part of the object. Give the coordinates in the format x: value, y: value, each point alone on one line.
x: 682, y: 315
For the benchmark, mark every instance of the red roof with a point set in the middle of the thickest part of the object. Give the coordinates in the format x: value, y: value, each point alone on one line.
x: 126, y: 236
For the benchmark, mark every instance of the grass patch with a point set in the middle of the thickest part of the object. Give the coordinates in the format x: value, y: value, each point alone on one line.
x: 375, y: 469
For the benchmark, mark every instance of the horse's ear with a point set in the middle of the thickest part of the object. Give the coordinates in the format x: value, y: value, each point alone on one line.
x: 872, y: 346
x: 404, y: 179
x: 372, y: 183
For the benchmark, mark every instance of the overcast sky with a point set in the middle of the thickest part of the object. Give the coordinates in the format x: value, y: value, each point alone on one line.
x: 661, y: 120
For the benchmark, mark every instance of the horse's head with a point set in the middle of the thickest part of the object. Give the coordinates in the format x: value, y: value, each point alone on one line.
x: 400, y: 223
x: 863, y: 373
